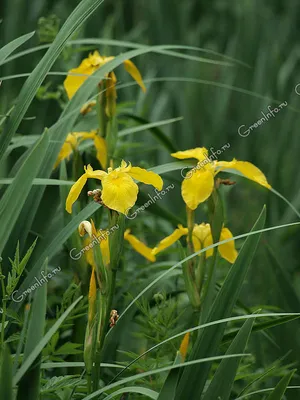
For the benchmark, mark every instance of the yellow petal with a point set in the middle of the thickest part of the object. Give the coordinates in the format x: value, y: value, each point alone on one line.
x: 85, y: 227
x: 67, y: 148
x: 197, y: 188
x: 147, y: 177
x: 124, y: 167
x: 77, y: 77
x: 135, y: 73
x: 111, y: 94
x: 99, y: 143
x: 227, y: 250
x: 200, y: 233
x: 75, y: 192
x: 94, y: 231
x: 101, y: 149
x: 87, y: 107
x: 94, y: 59
x: 139, y: 246
x: 200, y: 153
x: 92, y: 296
x: 89, y: 255
x: 106, y: 59
x: 249, y: 170
x: 97, y: 174
x: 208, y: 242
x: 104, y: 246
x: 85, y: 135
x: 92, y: 290
x: 171, y: 239
x: 184, y: 345
x: 79, y: 184
x: 119, y: 191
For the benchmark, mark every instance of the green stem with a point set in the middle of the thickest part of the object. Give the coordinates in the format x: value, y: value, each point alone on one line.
x: 101, y: 104
x: 200, y: 271
x: 4, y: 306
x: 190, y: 223
x: 89, y: 383
x: 106, y: 296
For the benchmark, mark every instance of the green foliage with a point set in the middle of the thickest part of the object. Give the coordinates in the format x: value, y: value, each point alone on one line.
x: 17, y: 268
x: 48, y: 28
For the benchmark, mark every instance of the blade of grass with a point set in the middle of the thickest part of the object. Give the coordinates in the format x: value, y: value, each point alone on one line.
x: 6, y: 380
x: 15, y: 196
x: 203, y: 326
x: 158, y: 371
x: 35, y: 333
x: 6, y: 50
x: 281, y: 387
x: 134, y: 389
x: 223, y: 379
x: 42, y: 343
x: 152, y: 126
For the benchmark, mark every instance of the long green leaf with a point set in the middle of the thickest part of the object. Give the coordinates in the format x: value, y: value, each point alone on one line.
x: 158, y: 371
x: 280, y: 389
x: 12, y: 46
x: 153, y: 128
x: 168, y: 391
x: 97, y: 41
x: 147, y: 125
x: 75, y: 20
x: 6, y: 381
x: 40, y: 182
x: 284, y: 282
x: 134, y: 389
x: 74, y: 364
x: 15, y: 196
x: 34, y: 335
x: 222, y: 382
x: 203, y: 326
x: 42, y: 343
x: 263, y: 391
x: 193, y: 380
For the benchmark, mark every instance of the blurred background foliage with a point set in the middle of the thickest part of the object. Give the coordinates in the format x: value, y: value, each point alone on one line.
x: 214, y: 102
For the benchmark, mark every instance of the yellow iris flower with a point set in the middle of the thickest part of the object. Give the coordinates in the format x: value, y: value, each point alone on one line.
x: 119, y: 191
x: 201, y: 237
x: 75, y: 138
x: 89, y: 65
x: 86, y: 227
x: 139, y: 246
x: 89, y: 228
x: 198, y: 184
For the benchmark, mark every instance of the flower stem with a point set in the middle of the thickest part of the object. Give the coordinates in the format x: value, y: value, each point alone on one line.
x: 4, y: 305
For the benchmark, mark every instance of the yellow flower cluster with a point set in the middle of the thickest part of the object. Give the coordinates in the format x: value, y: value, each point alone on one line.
x: 119, y: 190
